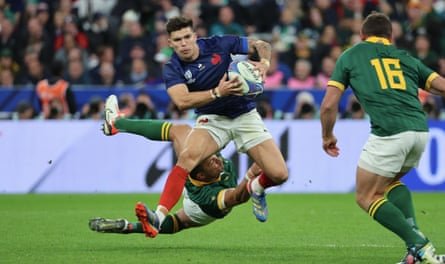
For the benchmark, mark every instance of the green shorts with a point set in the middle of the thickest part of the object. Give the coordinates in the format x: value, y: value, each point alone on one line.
x: 391, y: 155
x: 246, y: 130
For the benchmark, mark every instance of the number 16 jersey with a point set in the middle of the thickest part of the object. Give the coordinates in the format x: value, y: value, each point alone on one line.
x: 385, y: 81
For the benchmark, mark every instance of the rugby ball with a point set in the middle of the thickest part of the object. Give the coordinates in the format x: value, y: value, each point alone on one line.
x: 250, y: 78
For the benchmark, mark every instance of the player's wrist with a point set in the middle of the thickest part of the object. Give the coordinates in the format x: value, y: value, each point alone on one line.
x: 215, y: 93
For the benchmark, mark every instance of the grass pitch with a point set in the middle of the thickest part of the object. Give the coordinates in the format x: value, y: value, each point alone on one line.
x: 302, y: 228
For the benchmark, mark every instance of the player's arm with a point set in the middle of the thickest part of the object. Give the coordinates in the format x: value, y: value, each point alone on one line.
x: 263, y: 50
x: 438, y: 86
x: 239, y: 195
x: 328, y: 116
x: 184, y: 99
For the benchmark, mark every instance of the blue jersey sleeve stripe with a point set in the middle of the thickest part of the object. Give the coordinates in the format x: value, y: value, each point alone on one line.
x: 245, y: 44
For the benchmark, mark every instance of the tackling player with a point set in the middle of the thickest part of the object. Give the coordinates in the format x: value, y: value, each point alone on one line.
x: 211, y: 189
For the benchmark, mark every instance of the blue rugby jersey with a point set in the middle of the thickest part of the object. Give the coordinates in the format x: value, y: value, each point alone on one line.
x: 205, y: 72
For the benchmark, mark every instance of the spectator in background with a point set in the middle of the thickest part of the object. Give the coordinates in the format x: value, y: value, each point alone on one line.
x: 322, y: 78
x: 105, y: 55
x: 34, y: 69
x: 6, y: 78
x: 70, y: 27
x: 138, y: 74
x: 423, y: 52
x: 145, y: 109
x: 305, y: 107
x: 56, y: 97
x: 302, y: 78
x: 7, y: 62
x: 275, y: 77
x: 432, y: 107
x: 76, y: 73
x: 135, y: 44
x: 226, y: 24
x: 107, y: 75
x: 301, y: 49
x: 24, y: 111
x: 285, y: 31
x: 93, y: 109
x: 7, y: 38
x: 36, y: 38
x: 353, y: 109
x: 264, y: 108
x: 100, y: 33
x: 127, y: 104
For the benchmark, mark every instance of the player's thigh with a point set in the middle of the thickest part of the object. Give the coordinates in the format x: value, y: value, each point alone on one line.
x: 269, y: 158
x: 218, y: 128
x: 249, y: 131
x: 386, y: 156
x: 198, y: 145
x: 420, y: 140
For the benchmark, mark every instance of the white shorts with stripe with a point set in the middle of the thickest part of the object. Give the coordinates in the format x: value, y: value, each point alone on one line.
x: 246, y: 130
x: 388, y: 156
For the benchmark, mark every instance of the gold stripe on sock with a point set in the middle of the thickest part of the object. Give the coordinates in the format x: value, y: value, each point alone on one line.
x: 175, y: 223
x: 165, y: 131
x: 392, y: 186
x: 375, y: 205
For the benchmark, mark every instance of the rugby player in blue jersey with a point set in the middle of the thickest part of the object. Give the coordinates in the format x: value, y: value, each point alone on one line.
x: 196, y: 77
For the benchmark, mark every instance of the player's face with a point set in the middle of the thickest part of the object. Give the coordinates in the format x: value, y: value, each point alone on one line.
x: 212, y: 167
x: 183, y: 42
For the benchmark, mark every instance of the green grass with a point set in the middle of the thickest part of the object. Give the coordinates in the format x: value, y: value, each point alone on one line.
x: 303, y: 228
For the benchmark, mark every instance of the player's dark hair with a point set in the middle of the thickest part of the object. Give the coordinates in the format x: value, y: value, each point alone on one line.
x: 195, y: 171
x: 178, y: 23
x: 377, y: 24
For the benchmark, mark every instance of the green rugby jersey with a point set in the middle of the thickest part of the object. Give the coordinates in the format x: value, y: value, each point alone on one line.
x: 208, y: 195
x: 385, y: 80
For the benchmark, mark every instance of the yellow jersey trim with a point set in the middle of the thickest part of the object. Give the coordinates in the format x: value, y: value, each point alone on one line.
x: 430, y: 79
x: 199, y: 183
x: 339, y: 85
x: 375, y: 39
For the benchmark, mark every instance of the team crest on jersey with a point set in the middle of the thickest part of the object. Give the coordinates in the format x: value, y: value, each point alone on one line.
x: 189, y: 76
x: 216, y: 59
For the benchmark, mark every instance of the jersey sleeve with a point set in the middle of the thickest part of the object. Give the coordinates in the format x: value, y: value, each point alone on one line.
x: 211, y: 200
x: 426, y: 74
x: 234, y: 44
x: 340, y: 76
x: 172, y: 75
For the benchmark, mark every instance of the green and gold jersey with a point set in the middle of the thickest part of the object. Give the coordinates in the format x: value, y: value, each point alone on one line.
x: 385, y: 80
x: 208, y: 195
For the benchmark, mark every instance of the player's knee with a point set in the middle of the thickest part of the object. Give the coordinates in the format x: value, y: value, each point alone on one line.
x: 362, y: 200
x: 188, y: 160
x: 279, y: 176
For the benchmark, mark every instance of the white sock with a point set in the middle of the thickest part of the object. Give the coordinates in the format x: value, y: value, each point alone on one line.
x: 256, y: 187
x: 161, y: 216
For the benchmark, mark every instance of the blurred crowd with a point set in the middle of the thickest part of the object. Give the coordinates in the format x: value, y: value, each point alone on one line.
x: 119, y: 42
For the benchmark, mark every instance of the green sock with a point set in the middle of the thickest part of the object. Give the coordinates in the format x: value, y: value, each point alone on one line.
x: 135, y: 227
x: 151, y: 129
x: 388, y: 215
x: 399, y: 195
x: 171, y: 225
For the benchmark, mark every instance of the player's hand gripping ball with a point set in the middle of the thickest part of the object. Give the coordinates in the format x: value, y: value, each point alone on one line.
x: 250, y: 78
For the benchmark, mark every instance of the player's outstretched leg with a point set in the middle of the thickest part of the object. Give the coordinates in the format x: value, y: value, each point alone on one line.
x: 104, y: 225
x: 259, y: 203
x: 425, y: 254
x: 111, y: 113
x: 148, y: 219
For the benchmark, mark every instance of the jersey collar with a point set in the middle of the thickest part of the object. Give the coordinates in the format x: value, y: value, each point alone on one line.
x: 199, y: 183
x: 380, y: 40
